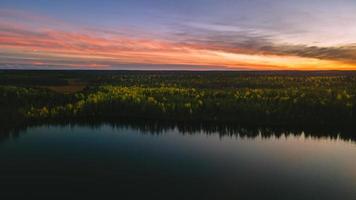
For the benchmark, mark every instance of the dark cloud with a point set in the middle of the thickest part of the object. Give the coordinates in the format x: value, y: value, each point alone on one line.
x: 340, y: 53
x: 252, y: 42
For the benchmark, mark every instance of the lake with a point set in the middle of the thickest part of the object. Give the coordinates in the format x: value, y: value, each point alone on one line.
x: 104, y: 161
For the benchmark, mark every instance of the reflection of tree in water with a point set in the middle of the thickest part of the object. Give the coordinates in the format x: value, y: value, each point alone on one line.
x: 222, y: 129
x: 10, y: 131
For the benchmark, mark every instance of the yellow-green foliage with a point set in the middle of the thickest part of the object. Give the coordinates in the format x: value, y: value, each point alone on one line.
x: 208, y: 104
x: 219, y: 97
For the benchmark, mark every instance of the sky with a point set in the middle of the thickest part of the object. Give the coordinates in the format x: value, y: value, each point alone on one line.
x: 173, y: 35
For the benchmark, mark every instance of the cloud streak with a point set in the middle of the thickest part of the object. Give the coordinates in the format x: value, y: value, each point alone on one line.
x: 200, y: 47
x: 251, y: 42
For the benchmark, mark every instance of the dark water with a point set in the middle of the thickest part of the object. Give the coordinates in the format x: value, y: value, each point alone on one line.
x: 125, y: 163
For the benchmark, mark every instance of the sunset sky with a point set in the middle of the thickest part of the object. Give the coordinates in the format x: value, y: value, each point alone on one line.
x: 178, y: 34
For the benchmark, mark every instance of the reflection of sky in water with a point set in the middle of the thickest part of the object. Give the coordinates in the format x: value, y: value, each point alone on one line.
x: 293, y: 166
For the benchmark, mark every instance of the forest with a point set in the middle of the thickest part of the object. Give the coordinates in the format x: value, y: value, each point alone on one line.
x: 246, y: 98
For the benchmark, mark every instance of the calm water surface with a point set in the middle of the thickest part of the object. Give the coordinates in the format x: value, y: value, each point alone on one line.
x: 79, y: 162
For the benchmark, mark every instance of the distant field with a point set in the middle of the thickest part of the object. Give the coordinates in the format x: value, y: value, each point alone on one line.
x: 72, y: 86
x: 66, y: 89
